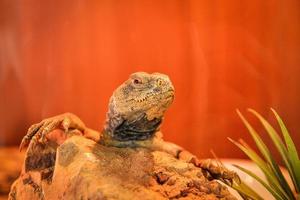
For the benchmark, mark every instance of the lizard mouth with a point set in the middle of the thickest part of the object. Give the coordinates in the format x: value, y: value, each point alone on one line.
x: 168, y: 95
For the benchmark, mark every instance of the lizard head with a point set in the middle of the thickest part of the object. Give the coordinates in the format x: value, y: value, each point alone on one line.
x: 137, y: 106
x: 149, y: 94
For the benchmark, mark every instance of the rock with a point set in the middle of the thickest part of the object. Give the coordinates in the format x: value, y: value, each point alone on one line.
x: 83, y: 169
x: 11, y: 163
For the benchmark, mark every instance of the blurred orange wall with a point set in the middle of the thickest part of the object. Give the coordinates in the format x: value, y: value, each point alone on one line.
x: 58, y: 56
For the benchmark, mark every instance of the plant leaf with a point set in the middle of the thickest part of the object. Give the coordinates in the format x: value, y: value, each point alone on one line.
x: 282, y: 150
x: 285, y: 189
x: 270, y: 189
x: 292, y: 153
x: 245, y: 191
x: 271, y: 177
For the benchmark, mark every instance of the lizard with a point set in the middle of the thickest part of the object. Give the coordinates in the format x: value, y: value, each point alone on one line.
x: 135, y: 113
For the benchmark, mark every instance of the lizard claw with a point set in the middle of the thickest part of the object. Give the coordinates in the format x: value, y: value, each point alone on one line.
x: 38, y: 132
x: 213, y: 169
x: 216, y: 170
x: 30, y: 134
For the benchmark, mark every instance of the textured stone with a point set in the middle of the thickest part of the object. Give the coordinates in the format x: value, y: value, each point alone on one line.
x: 84, y: 169
x: 10, y: 167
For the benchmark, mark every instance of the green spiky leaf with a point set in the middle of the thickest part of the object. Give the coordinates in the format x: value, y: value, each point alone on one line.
x: 265, y: 169
x: 275, y: 170
x: 281, y: 149
x: 276, y: 183
x: 245, y: 191
x: 292, y: 153
x: 270, y: 189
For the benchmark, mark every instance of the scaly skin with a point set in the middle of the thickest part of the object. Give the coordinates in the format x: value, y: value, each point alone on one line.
x: 136, y: 110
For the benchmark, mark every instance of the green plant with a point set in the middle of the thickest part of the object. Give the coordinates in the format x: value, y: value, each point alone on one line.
x: 275, y: 182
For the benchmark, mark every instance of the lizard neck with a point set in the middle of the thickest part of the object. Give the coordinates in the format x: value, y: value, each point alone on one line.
x: 138, y: 129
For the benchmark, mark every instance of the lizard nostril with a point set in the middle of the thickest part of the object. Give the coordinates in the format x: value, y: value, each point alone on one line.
x: 157, y: 89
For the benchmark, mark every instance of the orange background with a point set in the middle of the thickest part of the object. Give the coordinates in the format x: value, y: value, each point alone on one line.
x: 58, y: 56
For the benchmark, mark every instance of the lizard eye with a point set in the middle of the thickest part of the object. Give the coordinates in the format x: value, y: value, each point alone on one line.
x: 137, y: 81
x: 159, y: 82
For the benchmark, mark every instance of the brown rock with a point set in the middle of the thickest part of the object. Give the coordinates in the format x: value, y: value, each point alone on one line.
x: 10, y: 167
x: 83, y: 169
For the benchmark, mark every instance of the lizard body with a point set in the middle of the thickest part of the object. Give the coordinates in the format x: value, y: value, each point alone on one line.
x: 134, y: 116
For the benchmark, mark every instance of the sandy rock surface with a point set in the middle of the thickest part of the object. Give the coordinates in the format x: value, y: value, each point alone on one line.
x: 10, y: 167
x: 82, y: 169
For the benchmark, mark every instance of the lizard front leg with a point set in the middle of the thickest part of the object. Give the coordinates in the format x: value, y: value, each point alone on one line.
x: 214, y: 169
x: 68, y: 123
x: 211, y: 169
x: 173, y: 149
